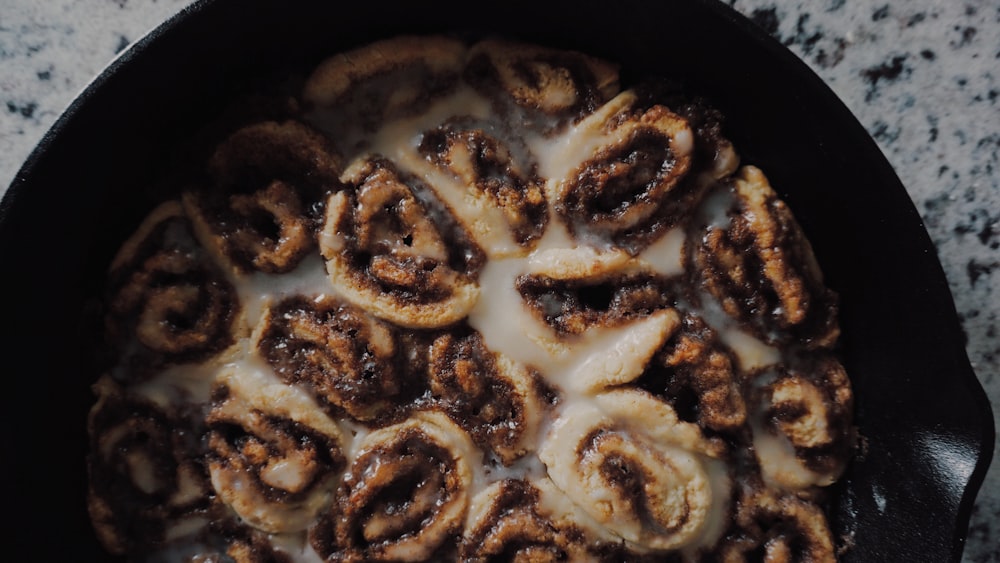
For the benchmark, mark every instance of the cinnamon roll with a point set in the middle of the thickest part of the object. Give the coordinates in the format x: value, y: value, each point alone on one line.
x: 497, y: 401
x: 242, y: 544
x: 404, y: 497
x: 346, y: 358
x: 579, y: 289
x: 755, y: 260
x: 503, y: 185
x: 469, y: 301
x: 777, y: 528
x: 634, y: 467
x: 262, y: 207
x: 802, y: 428
x: 255, y: 550
x: 148, y: 481
x: 713, y: 155
x: 553, y: 82
x: 625, y: 358
x: 694, y: 372
x: 511, y: 521
x: 168, y: 303
x: 389, y: 78
x: 274, y: 457
x: 629, y: 180
x: 391, y: 253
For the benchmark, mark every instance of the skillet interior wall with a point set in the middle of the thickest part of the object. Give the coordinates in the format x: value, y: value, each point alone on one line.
x: 88, y: 194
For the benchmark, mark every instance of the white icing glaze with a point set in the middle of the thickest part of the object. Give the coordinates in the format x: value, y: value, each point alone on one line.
x: 577, y: 367
x: 558, y: 157
x: 614, y: 356
x: 258, y: 290
x: 779, y: 465
x: 751, y: 352
x: 400, y: 139
x: 666, y: 255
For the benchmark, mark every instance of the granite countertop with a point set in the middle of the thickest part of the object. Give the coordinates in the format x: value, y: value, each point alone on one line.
x: 921, y: 76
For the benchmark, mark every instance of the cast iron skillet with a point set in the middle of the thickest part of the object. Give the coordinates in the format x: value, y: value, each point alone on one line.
x: 927, y: 427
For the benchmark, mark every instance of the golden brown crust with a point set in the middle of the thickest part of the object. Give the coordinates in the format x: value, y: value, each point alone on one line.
x: 404, y: 496
x: 274, y: 458
x: 386, y: 255
x: 344, y: 357
x: 146, y: 471
x: 484, y: 162
x: 361, y: 79
x: 498, y: 402
x: 168, y: 303
x: 762, y: 270
x: 537, y: 78
x: 268, y: 182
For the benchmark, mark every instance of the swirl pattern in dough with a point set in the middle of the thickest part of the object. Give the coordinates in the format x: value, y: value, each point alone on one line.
x: 502, y: 179
x: 694, y: 373
x: 387, y: 254
x: 168, y: 302
x: 549, y: 81
x: 761, y: 268
x: 389, y: 78
x: 405, y: 496
x: 807, y: 407
x: 503, y: 311
x: 346, y: 358
x: 263, y: 205
x: 575, y: 290
x: 146, y: 473
x: 499, y: 402
x: 713, y: 154
x: 274, y: 457
x: 633, y: 466
x: 633, y: 179
x: 777, y: 528
x: 510, y: 521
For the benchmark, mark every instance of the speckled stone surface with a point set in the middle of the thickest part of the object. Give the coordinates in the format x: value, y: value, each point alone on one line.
x: 921, y: 76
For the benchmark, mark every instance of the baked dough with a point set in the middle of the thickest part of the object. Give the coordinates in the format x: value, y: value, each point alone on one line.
x: 470, y: 302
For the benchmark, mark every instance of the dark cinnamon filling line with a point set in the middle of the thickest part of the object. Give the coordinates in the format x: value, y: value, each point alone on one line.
x: 328, y: 348
x: 746, y: 353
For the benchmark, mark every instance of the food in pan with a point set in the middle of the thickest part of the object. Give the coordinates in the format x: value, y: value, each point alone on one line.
x: 470, y: 302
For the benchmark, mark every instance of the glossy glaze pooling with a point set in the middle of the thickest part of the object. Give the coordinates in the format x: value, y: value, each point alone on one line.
x: 655, y: 350
x: 943, y: 65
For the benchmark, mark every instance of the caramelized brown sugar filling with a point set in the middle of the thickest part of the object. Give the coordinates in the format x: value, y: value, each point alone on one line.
x: 470, y: 302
